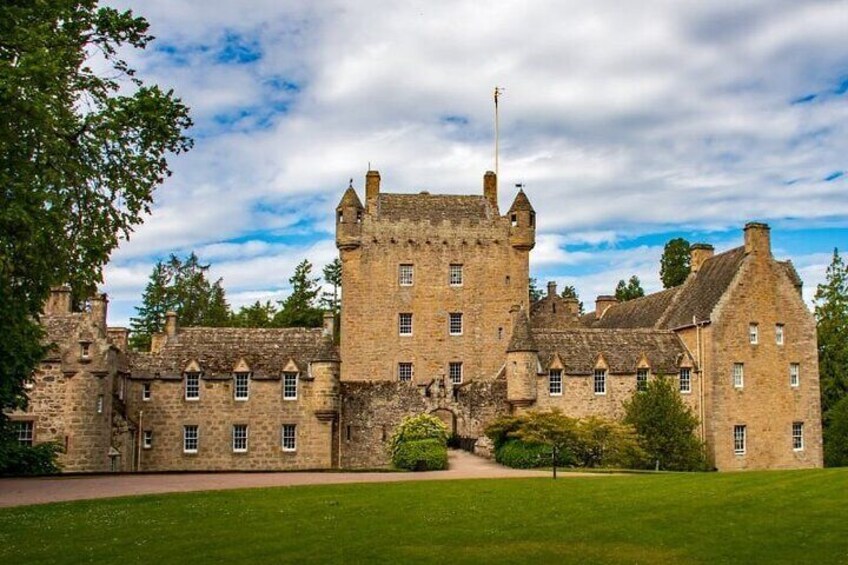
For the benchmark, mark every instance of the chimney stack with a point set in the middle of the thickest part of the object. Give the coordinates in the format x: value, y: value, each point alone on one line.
x: 99, y: 304
x: 329, y: 325
x: 573, y: 306
x: 552, y: 289
x: 171, y: 324
x: 602, y: 303
x: 698, y: 253
x: 59, y: 301
x: 757, y: 238
x: 490, y: 188
x: 372, y: 189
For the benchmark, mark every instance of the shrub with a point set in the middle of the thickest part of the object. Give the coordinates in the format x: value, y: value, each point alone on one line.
x: 604, y: 443
x: 17, y: 459
x: 521, y: 455
x: 422, y: 426
x: 836, y: 435
x: 421, y: 455
x: 501, y: 430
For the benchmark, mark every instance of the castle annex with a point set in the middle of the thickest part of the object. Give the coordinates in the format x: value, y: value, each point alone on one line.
x: 436, y: 318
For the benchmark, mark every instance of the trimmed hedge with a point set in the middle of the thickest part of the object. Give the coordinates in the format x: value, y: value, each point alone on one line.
x: 421, y: 455
x: 520, y: 455
x: 18, y: 460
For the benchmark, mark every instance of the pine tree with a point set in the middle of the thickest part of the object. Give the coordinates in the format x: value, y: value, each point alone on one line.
x: 332, y: 276
x: 831, y: 311
x: 629, y: 290
x: 257, y: 315
x: 571, y: 292
x: 534, y: 292
x: 675, y: 262
x: 298, y: 309
x: 155, y: 302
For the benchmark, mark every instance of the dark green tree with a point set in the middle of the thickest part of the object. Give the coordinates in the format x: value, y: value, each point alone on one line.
x: 666, y: 427
x: 298, y: 309
x: 831, y: 311
x: 675, y: 262
x: 629, y: 290
x: 534, y: 291
x: 332, y: 276
x: 571, y: 292
x: 257, y: 315
x: 83, y: 144
x: 155, y: 303
x: 836, y: 435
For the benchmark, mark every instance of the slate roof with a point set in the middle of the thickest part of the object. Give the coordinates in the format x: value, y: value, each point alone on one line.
x: 521, y: 203
x: 792, y: 273
x: 349, y: 200
x: 522, y: 335
x: 578, y: 348
x: 642, y: 312
x: 217, y: 350
x: 434, y: 207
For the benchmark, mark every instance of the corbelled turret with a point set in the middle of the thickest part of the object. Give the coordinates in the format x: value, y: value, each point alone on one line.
x: 349, y: 220
x: 521, y: 362
x: 522, y: 217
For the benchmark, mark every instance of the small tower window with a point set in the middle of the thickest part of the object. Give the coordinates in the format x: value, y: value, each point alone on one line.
x: 532, y: 219
x: 85, y: 351
x: 359, y: 216
x: 340, y: 216
x: 753, y: 334
x: 513, y: 218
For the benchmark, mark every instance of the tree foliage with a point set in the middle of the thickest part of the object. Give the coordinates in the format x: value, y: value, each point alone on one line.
x: 831, y: 311
x: 181, y: 286
x: 333, y: 277
x: 675, y: 262
x: 257, y: 315
x: 534, y: 292
x: 836, y: 435
x: 629, y: 290
x: 666, y: 427
x: 83, y: 144
x: 298, y: 309
x: 571, y: 292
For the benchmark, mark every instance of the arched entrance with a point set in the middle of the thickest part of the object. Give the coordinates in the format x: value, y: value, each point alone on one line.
x: 448, y: 417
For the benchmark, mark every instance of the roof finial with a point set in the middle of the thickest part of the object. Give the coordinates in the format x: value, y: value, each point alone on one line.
x: 350, y: 185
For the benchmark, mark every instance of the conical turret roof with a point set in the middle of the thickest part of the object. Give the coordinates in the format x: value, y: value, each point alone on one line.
x: 522, y: 337
x: 521, y: 203
x: 349, y: 200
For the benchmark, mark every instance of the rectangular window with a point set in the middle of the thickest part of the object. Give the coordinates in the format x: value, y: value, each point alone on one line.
x: 754, y: 334
x: 405, y: 324
x: 794, y: 375
x: 455, y: 276
x: 290, y: 437
x: 405, y: 372
x: 641, y: 380
x: 289, y: 386
x: 190, y: 439
x: 148, y: 439
x: 405, y: 275
x: 738, y: 375
x: 24, y: 431
x: 555, y: 382
x: 778, y: 334
x: 685, y: 380
x: 99, y: 403
x: 145, y: 391
x: 739, y: 440
x: 798, y: 436
x: 455, y: 323
x: 239, y: 438
x: 242, y: 386
x: 85, y: 350
x: 455, y: 372
x: 192, y: 386
x: 600, y: 381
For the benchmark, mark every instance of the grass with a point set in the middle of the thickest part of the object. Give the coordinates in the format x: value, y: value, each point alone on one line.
x: 761, y: 517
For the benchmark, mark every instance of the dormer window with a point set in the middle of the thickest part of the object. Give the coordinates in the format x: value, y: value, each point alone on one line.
x: 241, y: 390
x: 641, y: 380
x: 289, y: 386
x: 192, y: 386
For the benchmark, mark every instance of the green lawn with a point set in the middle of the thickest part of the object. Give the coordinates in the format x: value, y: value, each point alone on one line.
x: 763, y: 517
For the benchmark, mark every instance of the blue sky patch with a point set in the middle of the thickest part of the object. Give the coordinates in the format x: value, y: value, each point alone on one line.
x: 834, y: 175
x: 805, y: 99
x: 238, y: 50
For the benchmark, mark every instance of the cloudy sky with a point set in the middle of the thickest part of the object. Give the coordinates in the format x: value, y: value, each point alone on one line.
x: 629, y: 123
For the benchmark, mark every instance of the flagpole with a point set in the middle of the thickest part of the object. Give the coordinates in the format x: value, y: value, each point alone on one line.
x: 498, y: 92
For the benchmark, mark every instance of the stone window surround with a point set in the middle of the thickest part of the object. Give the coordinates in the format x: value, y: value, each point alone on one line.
x: 241, y: 386
x: 600, y: 382
x: 794, y: 375
x: 455, y: 323
x: 191, y: 438
x: 290, y: 385
x: 288, y: 440
x: 455, y: 372
x: 192, y: 386
x: 406, y: 274
x: 779, y: 334
x: 146, y: 391
x: 740, y: 439
x: 754, y: 333
x: 455, y: 274
x: 797, y: 436
x: 406, y: 371
x: 405, y: 323
x: 685, y: 376
x: 147, y: 439
x: 555, y: 382
x: 240, y: 438
x: 738, y: 375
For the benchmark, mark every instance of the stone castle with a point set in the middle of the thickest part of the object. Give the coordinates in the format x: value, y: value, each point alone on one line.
x: 435, y: 318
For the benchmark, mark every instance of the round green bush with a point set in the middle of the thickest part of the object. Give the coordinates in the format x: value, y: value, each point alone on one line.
x: 422, y: 426
x: 519, y: 455
x: 421, y: 455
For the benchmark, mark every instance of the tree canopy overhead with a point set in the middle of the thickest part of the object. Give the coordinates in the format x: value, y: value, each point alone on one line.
x: 81, y: 152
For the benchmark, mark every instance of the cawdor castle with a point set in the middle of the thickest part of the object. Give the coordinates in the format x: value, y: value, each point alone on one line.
x: 435, y: 318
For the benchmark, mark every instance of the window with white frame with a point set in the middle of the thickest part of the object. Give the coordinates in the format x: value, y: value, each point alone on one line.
x: 290, y: 437
x: 85, y: 350
x: 455, y: 372
x: 146, y: 392
x: 641, y: 380
x: 600, y: 381
x: 685, y: 380
x: 192, y: 386
x: 794, y: 375
x: 148, y: 439
x: 405, y: 373
x: 289, y: 386
x: 778, y: 334
x: 24, y: 429
x: 99, y: 407
x: 798, y: 436
x: 240, y: 438
x: 455, y: 274
x: 740, y: 439
x: 753, y: 334
x: 455, y: 324
x: 738, y: 375
x: 190, y: 439
x: 241, y: 390
x: 405, y: 323
x: 555, y: 382
x: 405, y: 275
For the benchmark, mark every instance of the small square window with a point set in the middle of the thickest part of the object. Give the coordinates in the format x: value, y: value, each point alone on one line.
x: 455, y: 275
x: 146, y: 391
x: 240, y: 438
x: 798, y: 436
x: 192, y: 386
x: 738, y: 375
x: 24, y: 429
x: 739, y: 440
x: 685, y: 380
x: 641, y: 380
x: 148, y: 439
x: 190, y: 439
x: 754, y: 334
x: 241, y: 390
x: 289, y: 386
x: 600, y: 381
x: 555, y: 382
x: 778, y: 334
x: 794, y: 375
x: 405, y: 275
x: 290, y: 437
x: 405, y: 372
x: 405, y: 324
x: 455, y: 325
x: 455, y: 372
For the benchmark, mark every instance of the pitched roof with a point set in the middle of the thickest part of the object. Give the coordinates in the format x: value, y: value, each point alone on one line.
x: 349, y: 199
x: 522, y: 336
x: 643, y: 312
x: 792, y: 273
x: 521, y: 203
x: 434, y: 207
x: 622, y: 349
x: 217, y: 350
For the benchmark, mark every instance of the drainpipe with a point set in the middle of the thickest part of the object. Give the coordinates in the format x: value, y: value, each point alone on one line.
x: 703, y: 371
x: 140, y: 438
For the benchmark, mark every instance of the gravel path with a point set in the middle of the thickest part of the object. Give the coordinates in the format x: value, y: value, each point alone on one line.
x: 17, y: 492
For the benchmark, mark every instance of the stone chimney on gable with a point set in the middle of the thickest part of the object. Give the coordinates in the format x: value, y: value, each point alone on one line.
x: 757, y: 238
x: 171, y: 324
x: 372, y: 190
x: 602, y: 303
x: 490, y: 189
x: 329, y: 325
x: 698, y: 254
x: 59, y: 301
x: 99, y: 305
x: 552, y: 289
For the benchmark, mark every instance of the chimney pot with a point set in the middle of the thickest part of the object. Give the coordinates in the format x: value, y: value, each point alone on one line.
x: 602, y: 303
x: 698, y: 254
